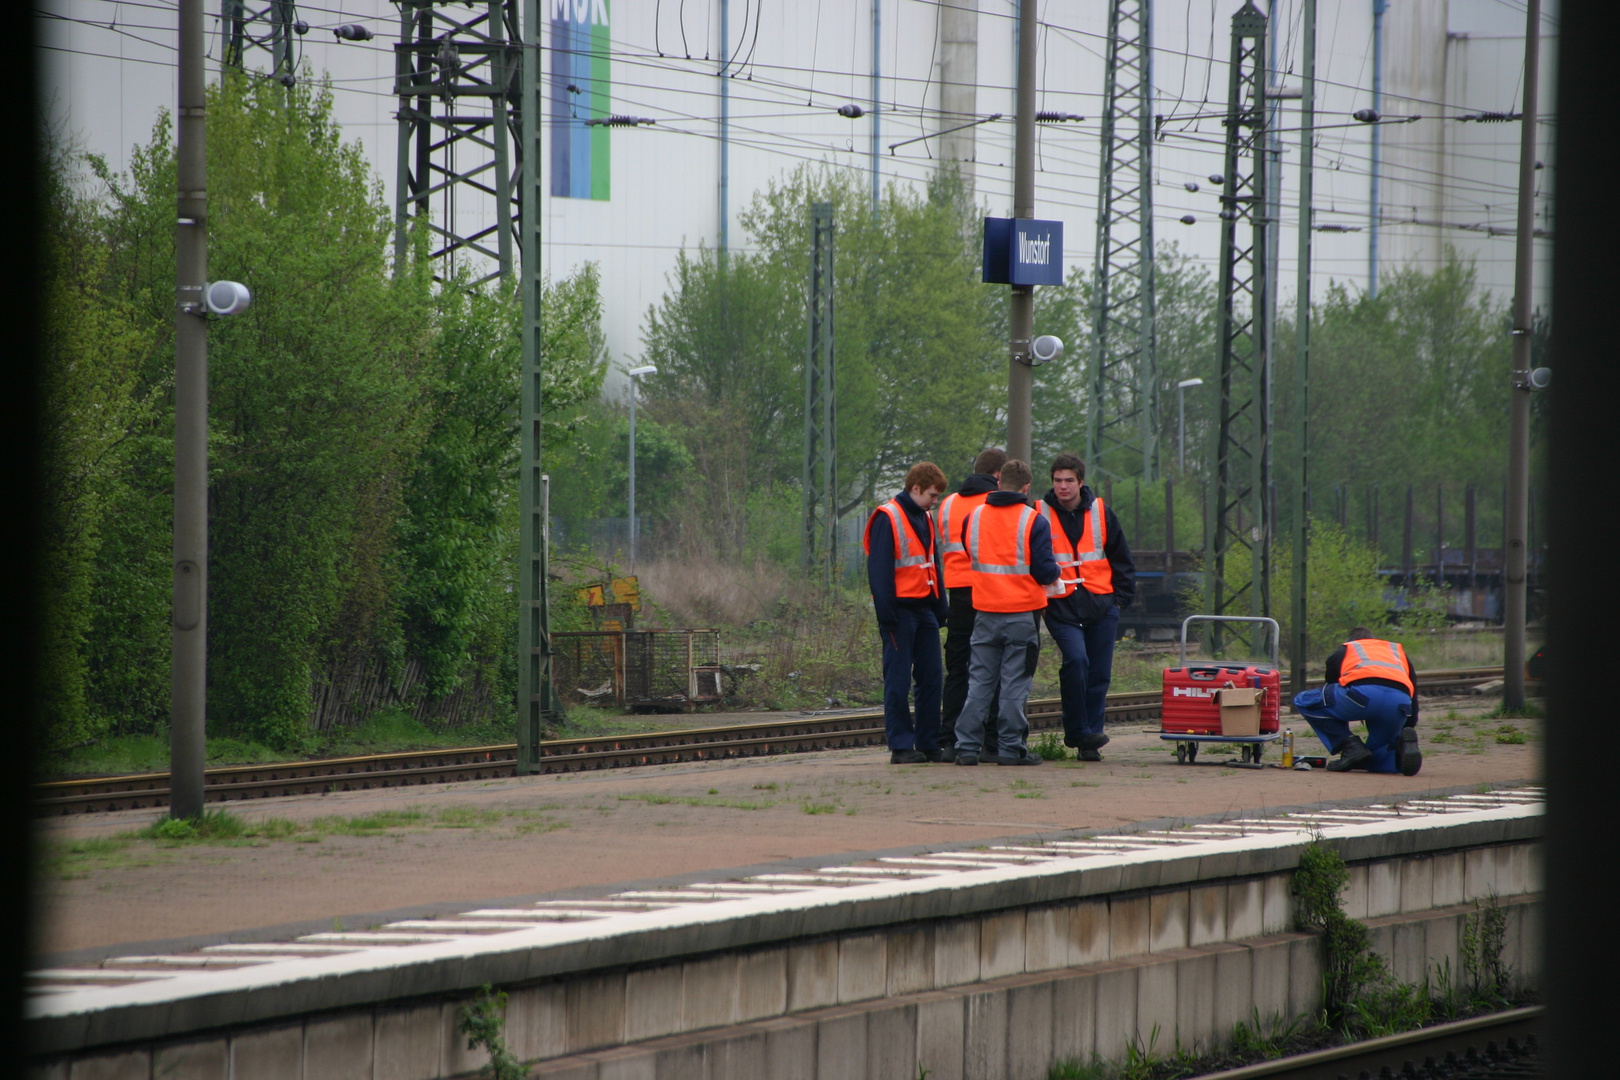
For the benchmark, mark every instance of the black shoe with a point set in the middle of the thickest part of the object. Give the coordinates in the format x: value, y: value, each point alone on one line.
x: 945, y: 755
x: 967, y: 758
x: 1024, y: 758
x: 1090, y: 755
x: 911, y: 756
x: 1093, y: 741
x: 1408, y: 758
x: 1352, y: 755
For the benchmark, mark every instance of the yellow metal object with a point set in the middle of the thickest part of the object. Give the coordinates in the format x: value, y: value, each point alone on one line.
x: 625, y: 590
x: 1288, y: 749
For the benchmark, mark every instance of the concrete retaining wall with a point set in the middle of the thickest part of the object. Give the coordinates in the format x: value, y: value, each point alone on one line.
x: 997, y: 994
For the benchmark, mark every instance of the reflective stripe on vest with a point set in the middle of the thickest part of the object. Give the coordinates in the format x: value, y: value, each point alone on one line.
x: 1003, y: 586
x: 953, y: 552
x: 1374, y: 658
x: 913, y: 566
x: 1094, y: 569
x: 1062, y: 550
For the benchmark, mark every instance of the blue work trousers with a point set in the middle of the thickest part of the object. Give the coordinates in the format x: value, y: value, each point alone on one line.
x: 1086, y: 671
x: 911, y: 655
x: 1331, y: 710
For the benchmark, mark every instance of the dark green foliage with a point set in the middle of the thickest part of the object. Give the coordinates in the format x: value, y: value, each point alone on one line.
x: 482, y: 1021
x: 362, y: 437
x: 1349, y: 966
x: 1483, y: 936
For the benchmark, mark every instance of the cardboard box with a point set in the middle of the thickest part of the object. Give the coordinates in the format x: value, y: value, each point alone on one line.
x: 1240, y: 709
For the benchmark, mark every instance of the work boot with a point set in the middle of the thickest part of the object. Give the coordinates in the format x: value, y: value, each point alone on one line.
x: 945, y: 755
x: 1023, y: 757
x: 967, y: 757
x: 908, y: 756
x: 1352, y: 755
x: 1408, y: 758
x: 1093, y: 740
x: 1090, y: 755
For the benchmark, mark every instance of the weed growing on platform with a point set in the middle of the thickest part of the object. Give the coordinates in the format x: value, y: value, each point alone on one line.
x: 483, y: 1021
x: 818, y: 807
x: 1049, y: 747
x: 1511, y: 736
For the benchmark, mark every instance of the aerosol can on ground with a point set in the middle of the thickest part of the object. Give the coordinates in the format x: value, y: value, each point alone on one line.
x: 1288, y: 749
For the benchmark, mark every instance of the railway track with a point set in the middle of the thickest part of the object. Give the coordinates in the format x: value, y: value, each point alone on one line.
x: 241, y: 782
x: 1495, y: 1047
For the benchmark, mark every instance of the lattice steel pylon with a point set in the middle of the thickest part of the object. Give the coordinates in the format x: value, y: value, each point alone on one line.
x: 1122, y: 432
x: 481, y: 63
x: 818, y: 547
x: 459, y: 72
x: 268, y: 25
x: 1239, y: 518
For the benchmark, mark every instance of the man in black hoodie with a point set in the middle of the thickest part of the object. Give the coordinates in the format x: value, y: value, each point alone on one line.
x: 952, y: 517
x: 1095, y: 561
x: 902, y: 568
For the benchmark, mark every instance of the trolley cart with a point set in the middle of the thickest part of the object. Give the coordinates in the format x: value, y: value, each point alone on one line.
x: 1189, y: 714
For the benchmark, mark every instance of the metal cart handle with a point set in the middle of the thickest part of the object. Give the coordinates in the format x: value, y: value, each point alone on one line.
x: 1276, y: 633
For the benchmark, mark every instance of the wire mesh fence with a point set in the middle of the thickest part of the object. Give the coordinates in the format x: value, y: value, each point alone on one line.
x: 657, y: 669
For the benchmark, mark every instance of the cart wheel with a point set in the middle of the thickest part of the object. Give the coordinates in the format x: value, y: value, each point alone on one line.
x: 1181, y: 753
x: 1192, y: 753
x: 1259, y: 748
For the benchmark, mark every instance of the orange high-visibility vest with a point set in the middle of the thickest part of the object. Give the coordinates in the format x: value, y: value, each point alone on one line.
x: 1084, y: 562
x: 953, y: 511
x: 998, y: 550
x: 1374, y: 658
x: 913, y: 565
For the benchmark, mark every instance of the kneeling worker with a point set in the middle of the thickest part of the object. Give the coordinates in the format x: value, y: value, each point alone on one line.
x: 1371, y: 680
x: 903, y: 571
x: 1009, y: 547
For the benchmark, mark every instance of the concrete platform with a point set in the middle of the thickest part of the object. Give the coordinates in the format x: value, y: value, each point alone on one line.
x: 445, y: 848
x: 948, y: 960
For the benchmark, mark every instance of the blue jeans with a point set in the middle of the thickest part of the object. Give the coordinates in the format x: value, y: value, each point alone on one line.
x: 1087, y: 669
x: 911, y: 653
x: 1331, y: 710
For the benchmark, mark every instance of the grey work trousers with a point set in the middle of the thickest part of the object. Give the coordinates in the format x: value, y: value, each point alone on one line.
x: 1004, y: 646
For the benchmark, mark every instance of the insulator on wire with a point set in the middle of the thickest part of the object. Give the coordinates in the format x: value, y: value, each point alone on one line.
x: 1047, y: 117
x: 300, y: 27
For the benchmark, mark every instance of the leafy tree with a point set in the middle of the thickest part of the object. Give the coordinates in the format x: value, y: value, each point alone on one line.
x: 93, y: 346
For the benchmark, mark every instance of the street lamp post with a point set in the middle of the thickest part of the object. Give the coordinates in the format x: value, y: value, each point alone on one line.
x: 635, y: 373
x: 1181, y: 424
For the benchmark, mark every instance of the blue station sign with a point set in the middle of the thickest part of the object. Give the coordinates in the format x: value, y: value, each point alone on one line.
x: 1023, y: 251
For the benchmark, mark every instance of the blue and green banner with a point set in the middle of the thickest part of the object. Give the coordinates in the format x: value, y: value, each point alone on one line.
x: 580, y: 47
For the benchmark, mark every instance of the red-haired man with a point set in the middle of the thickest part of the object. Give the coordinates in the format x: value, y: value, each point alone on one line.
x: 908, y: 597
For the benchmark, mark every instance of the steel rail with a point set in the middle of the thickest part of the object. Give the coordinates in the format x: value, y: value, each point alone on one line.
x: 1410, y: 1053
x: 417, y: 767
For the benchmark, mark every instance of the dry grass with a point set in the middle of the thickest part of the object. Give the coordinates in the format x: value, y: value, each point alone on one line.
x: 708, y: 592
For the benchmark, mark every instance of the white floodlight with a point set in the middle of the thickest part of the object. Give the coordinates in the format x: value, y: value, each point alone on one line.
x: 1185, y: 383
x: 1045, y: 349
x: 226, y: 297
x: 647, y: 369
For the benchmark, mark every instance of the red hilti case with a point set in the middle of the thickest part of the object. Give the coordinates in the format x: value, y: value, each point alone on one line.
x: 1188, y: 704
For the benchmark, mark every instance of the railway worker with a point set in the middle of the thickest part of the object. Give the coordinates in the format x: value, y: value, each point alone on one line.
x: 902, y: 567
x: 1370, y: 680
x: 952, y: 517
x: 1009, y: 547
x: 1099, y: 580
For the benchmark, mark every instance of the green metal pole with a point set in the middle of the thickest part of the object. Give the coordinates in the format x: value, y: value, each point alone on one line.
x: 536, y: 697
x: 1302, y: 351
